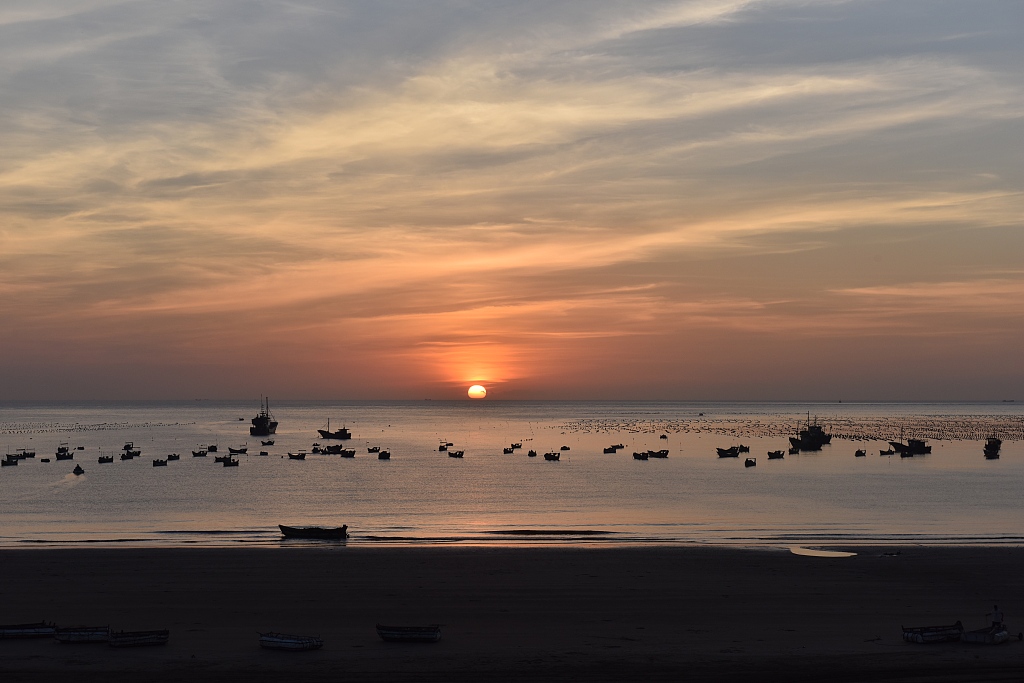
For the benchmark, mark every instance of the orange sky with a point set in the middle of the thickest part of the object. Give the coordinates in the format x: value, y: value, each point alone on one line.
x: 674, y: 200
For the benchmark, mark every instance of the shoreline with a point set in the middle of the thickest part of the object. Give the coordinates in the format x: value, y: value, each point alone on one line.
x: 552, y: 613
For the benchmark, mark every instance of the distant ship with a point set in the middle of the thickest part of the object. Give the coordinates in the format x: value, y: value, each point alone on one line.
x: 263, y: 424
x: 812, y: 438
x: 339, y: 434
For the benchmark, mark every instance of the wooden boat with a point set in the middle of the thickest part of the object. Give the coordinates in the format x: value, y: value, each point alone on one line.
x: 911, y: 448
x: 531, y: 454
x: 618, y: 446
x: 44, y: 460
x: 776, y: 455
x: 553, y: 455
x: 508, y: 451
x: 159, y: 463
x: 933, y: 634
x: 268, y: 442
x: 409, y: 634
x: 373, y: 449
x: 750, y: 462
x: 173, y: 456
x: 456, y: 454
x: 336, y: 434
x: 663, y: 453
x: 199, y: 454
x: 812, y: 438
x: 78, y: 471
x: 235, y: 451
x: 383, y: 455
x: 231, y: 463
x: 41, y: 629
x: 314, y: 531
x: 103, y: 459
x: 286, y: 641
x: 731, y: 452
x: 860, y: 453
x: 139, y: 638
x: 83, y: 634
x: 993, y: 635
x: 301, y: 455
x: 127, y: 456
x: 221, y: 458
x: 641, y: 456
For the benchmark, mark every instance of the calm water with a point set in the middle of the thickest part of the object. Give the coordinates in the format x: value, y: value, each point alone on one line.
x: 953, y: 495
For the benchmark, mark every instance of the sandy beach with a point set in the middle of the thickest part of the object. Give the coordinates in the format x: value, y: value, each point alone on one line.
x: 515, y: 613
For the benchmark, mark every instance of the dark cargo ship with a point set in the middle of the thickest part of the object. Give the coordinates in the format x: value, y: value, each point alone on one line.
x: 263, y: 424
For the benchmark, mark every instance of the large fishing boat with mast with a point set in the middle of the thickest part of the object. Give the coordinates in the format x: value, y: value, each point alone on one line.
x: 812, y: 437
x: 263, y: 424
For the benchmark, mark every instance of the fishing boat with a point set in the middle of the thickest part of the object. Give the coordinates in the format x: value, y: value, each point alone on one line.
x: 993, y: 635
x: 268, y: 442
x: 127, y: 456
x: 44, y: 460
x: 373, y: 449
x: 64, y: 453
x: 83, y: 634
x: 201, y: 453
x: 336, y: 434
x: 610, y: 449
x: 314, y: 531
x: 508, y: 451
x: 235, y: 451
x: 173, y: 456
x: 515, y: 446
x: 212, y: 448
x: 888, y: 451
x: 78, y: 471
x: 743, y: 449
x: 750, y: 462
x: 40, y: 629
x: 139, y: 638
x: 531, y: 454
x: 618, y: 446
x: 263, y: 453
x: 221, y: 458
x: 731, y: 452
x: 992, y: 446
x: 9, y: 461
x: 409, y: 634
x: 933, y: 634
x: 456, y: 454
x: 641, y: 455
x: 26, y: 453
x: 263, y: 424
x: 564, y: 448
x: 776, y: 455
x: 286, y: 641
x: 442, y: 448
x: 663, y: 453
x: 552, y: 455
x: 812, y: 437
x: 383, y: 455
x: 794, y: 451
x: 301, y: 455
x: 104, y: 459
x: 159, y: 463
x: 860, y: 453
x: 349, y: 452
x: 231, y: 463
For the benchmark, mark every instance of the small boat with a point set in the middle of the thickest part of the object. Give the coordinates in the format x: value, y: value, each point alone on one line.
x: 80, y: 448
x: 442, y: 448
x: 743, y: 449
x: 212, y: 448
x: 268, y: 442
x: 564, y: 448
x: 731, y: 452
x: 9, y: 462
x: 933, y: 634
x: 663, y: 453
x: 794, y: 450
x: 373, y: 449
x: 264, y: 453
x: 508, y: 451
x: 159, y: 463
x: 314, y: 531
x: 860, y: 453
x: 199, y: 454
x: 383, y: 455
x: 64, y: 453
x: 231, y: 463
x: 515, y: 446
x: 610, y: 449
x: 235, y: 451
x: 44, y: 460
x: 139, y: 638
x: 26, y: 453
x: 887, y: 452
x: 456, y: 454
x: 992, y: 446
x: 78, y: 471
x: 750, y: 462
x: 222, y: 458
x: 552, y: 455
x: 663, y: 436
x: 618, y: 446
x: 641, y: 456
x: 301, y: 455
x: 409, y: 634
x: 263, y: 424
x: 336, y: 434
x: 128, y: 445
x: 347, y: 452
x: 173, y: 456
x: 992, y: 635
x: 285, y: 641
x: 104, y: 459
x: 531, y: 454
x: 41, y: 629
x: 776, y: 455
x: 83, y: 634
x: 449, y: 444
x: 127, y: 456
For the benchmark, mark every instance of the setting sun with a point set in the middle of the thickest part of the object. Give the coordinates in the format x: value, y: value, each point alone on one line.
x: 477, y: 391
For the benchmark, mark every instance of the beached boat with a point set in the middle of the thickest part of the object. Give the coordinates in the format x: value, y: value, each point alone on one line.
x: 263, y: 424
x: 314, y: 531
x: 40, y: 629
x: 78, y: 471
x: 301, y: 455
x: 235, y: 451
x: 731, y: 452
x: 750, y: 462
x: 159, y: 463
x: 552, y: 455
x: 383, y: 455
x: 104, y: 459
x: 336, y: 434
x: 933, y: 634
x: 456, y: 454
x: 644, y: 455
x: 993, y: 635
x: 776, y: 455
x: 83, y: 634
x: 410, y: 634
x: 286, y: 641
x: 139, y: 638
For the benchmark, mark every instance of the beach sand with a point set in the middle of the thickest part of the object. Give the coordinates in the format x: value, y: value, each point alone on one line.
x: 537, y: 613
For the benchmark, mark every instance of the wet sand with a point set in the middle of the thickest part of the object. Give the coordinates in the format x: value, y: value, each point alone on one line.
x: 515, y: 613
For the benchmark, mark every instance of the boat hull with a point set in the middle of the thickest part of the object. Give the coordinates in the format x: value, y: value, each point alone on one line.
x: 314, y: 532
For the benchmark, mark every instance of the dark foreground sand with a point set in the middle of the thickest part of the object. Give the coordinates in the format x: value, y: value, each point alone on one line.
x: 515, y: 614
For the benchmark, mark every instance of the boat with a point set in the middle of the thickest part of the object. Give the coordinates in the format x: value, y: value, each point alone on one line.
x: 139, y: 638
x: 231, y: 463
x: 159, y: 463
x: 564, y: 448
x: 314, y: 531
x: 794, y: 451
x: 44, y: 460
x: 40, y: 629
x: 663, y: 453
x: 992, y: 635
x: 507, y: 451
x: 663, y: 436
x: 515, y: 446
x: 373, y: 449
x: 811, y: 438
x: 8, y: 462
x: 173, y: 456
x: 442, y: 448
x: 127, y: 456
x: 26, y: 453
x: 992, y: 446
x: 336, y: 434
x: 456, y: 454
x: 618, y: 446
x: 860, y: 453
x: 743, y: 449
x: 264, y: 453
x: 263, y: 424
x: 383, y: 455
x: 531, y: 454
x: 610, y: 449
x: 286, y: 641
x: 640, y: 456
x: 348, y: 452
x: 911, y: 448
x: 933, y: 634
x: 201, y: 453
x: 212, y: 448
x: 221, y: 458
x: 750, y: 462
x: 409, y: 634
x: 301, y: 455
x: 78, y: 471
x: 64, y: 453
x: 731, y: 452
x: 888, y: 451
x: 83, y: 634
x: 776, y: 455
x: 104, y: 459
x: 552, y: 455
x: 268, y: 442
x: 234, y: 451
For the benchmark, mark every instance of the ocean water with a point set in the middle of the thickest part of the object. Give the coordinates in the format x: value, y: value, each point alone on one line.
x: 422, y: 496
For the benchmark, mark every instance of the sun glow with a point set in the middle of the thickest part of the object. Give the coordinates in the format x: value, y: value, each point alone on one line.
x: 477, y: 391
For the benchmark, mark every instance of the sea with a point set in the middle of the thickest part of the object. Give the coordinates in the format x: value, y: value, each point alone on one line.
x: 421, y: 496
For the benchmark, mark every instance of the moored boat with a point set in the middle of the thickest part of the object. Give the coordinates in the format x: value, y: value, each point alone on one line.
x: 83, y: 634
x: 456, y: 454
x: 776, y: 455
x: 663, y: 453
x: 159, y: 463
x: 336, y: 434
x: 993, y: 635
x: 104, y: 459
x: 373, y: 449
x: 268, y: 442
x: 263, y: 424
x: 41, y: 629
x: 507, y: 451
x: 731, y: 452
x: 201, y: 453
x: 933, y: 634
x: 410, y: 634
x: 287, y: 641
x: 230, y: 462
x: 173, y: 456
x: 301, y: 455
x: 531, y: 454
x: 750, y: 462
x: 552, y: 455
x: 610, y: 449
x: 235, y: 451
x: 64, y: 452
x: 638, y: 455
x: 860, y: 453
x: 811, y: 438
x: 382, y: 455
x: 139, y: 638
x: 564, y: 448
x: 314, y: 531
x: 992, y: 446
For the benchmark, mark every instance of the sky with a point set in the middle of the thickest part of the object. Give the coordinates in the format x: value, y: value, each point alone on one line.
x: 575, y: 199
